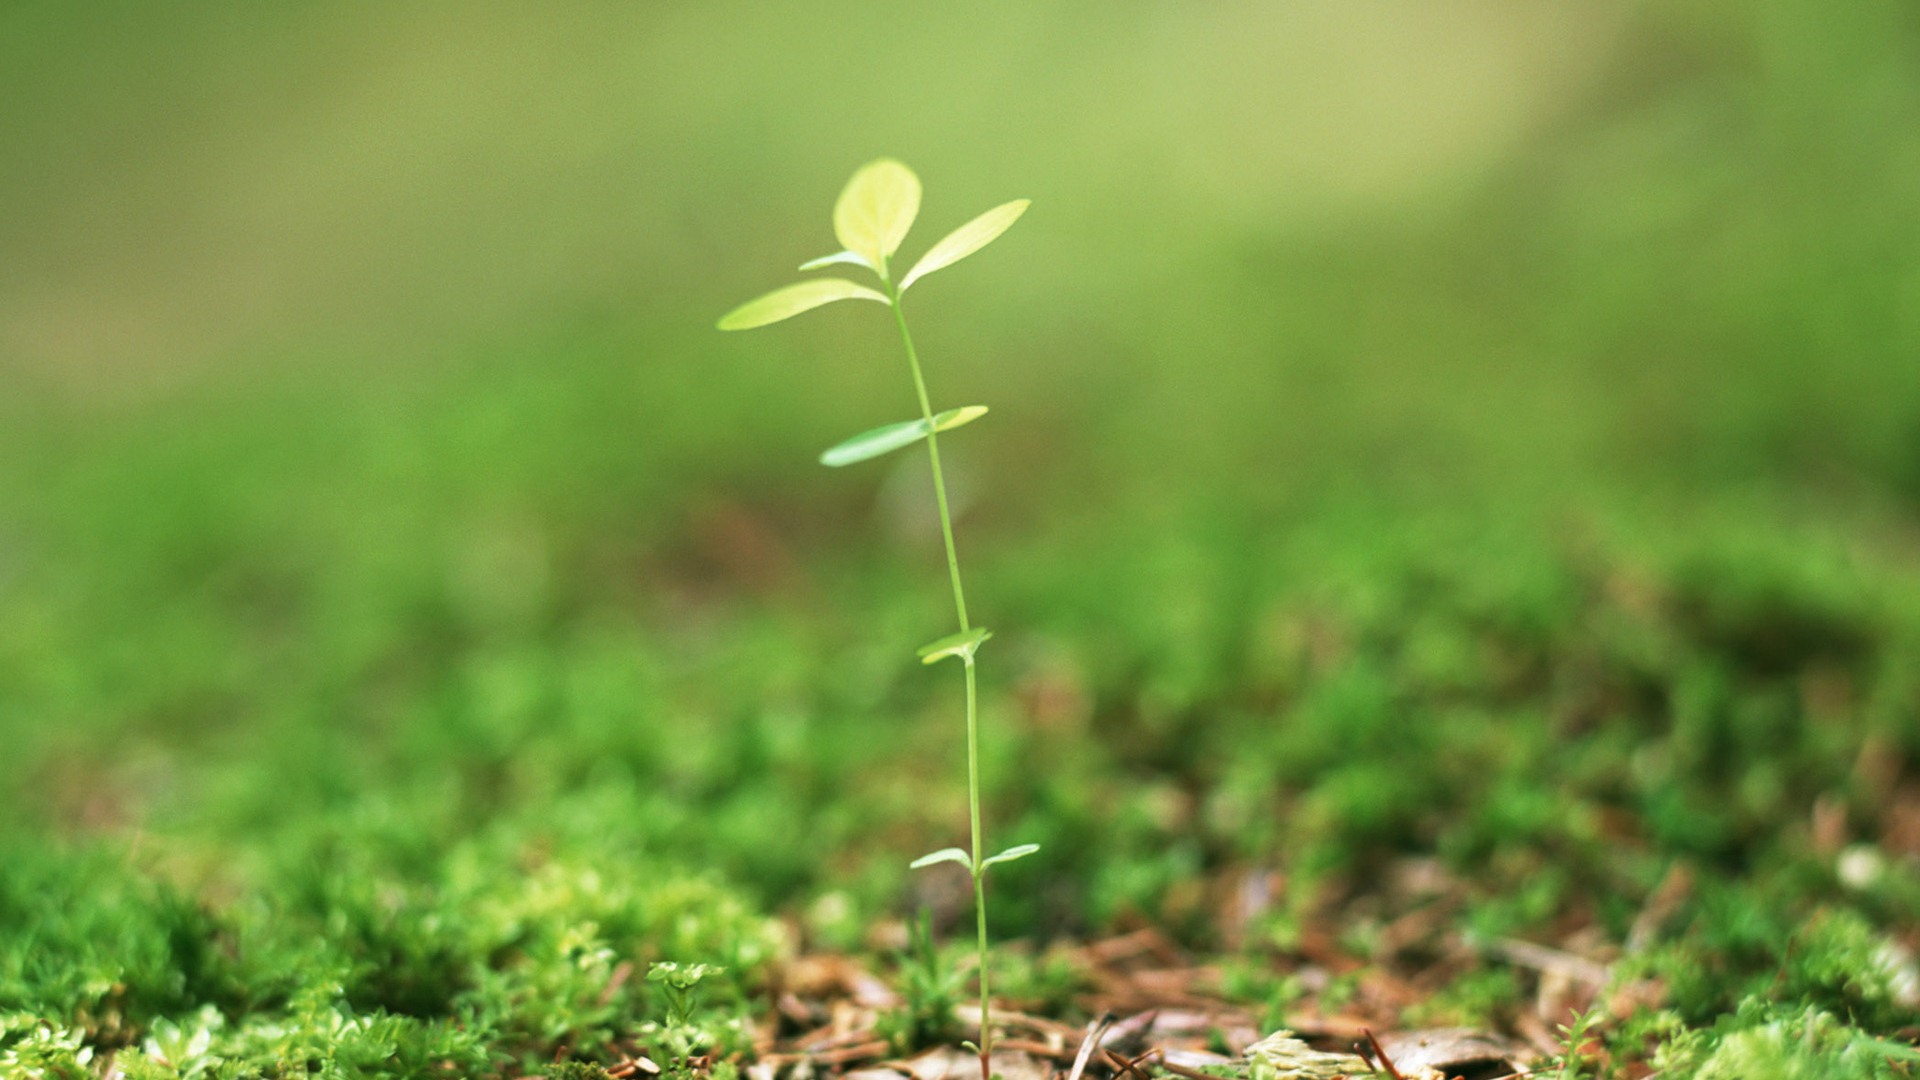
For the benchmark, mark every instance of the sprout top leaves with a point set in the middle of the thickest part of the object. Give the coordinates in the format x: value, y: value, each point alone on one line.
x: 966, y: 240
x: 876, y: 209
x: 794, y: 299
x: 872, y: 217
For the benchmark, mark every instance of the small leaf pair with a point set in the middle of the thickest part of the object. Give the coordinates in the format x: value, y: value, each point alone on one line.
x: 681, y: 978
x: 878, y: 207
x: 958, y: 855
x: 871, y: 218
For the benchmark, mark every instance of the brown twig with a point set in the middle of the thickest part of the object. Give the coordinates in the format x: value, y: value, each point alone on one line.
x: 1549, y: 960
x: 619, y: 978
x: 1120, y: 1063
x: 1006, y: 1017
x: 1385, y: 1061
x: 827, y: 1038
x: 1667, y: 897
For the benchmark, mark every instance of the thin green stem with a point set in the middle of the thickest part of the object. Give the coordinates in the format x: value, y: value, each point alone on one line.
x: 973, y: 727
x: 979, y: 872
x: 933, y: 454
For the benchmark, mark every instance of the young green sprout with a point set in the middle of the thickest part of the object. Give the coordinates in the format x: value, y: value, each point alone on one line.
x: 680, y: 1037
x: 870, y: 220
x: 679, y: 986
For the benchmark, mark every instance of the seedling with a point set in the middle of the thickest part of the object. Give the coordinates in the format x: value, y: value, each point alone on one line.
x: 1574, y: 1038
x: 679, y: 986
x: 930, y: 989
x: 871, y: 218
x: 681, y: 1037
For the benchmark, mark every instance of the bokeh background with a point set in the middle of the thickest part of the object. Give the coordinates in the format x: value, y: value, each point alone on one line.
x: 1486, y: 431
x: 1497, y: 238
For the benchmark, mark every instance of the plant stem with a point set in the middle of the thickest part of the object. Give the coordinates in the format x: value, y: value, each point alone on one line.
x: 933, y: 454
x: 973, y: 727
x: 979, y: 873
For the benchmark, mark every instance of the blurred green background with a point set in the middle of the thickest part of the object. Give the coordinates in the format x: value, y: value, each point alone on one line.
x: 1499, y: 239
x: 1486, y: 430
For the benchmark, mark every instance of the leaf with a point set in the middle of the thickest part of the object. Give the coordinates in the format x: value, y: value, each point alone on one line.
x: 952, y: 854
x: 792, y: 300
x: 876, y: 209
x: 966, y: 240
x: 963, y: 645
x: 1018, y: 851
x: 854, y: 258
x: 871, y: 444
x: 890, y: 437
x: 672, y: 974
x: 960, y: 417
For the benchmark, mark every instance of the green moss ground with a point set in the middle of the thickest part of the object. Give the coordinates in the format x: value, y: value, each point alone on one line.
x: 398, y: 731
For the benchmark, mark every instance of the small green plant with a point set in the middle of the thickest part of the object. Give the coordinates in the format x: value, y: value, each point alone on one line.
x: 871, y: 218
x: 681, y: 1037
x: 35, y: 1049
x: 679, y: 985
x: 1574, y: 1038
x: 1761, y: 1041
x: 930, y: 989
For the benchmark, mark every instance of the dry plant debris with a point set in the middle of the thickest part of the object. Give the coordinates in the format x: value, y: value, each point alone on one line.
x: 1156, y: 1014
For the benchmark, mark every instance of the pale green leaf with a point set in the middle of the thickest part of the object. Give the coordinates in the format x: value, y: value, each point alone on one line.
x: 871, y: 444
x: 794, y: 299
x: 1018, y: 851
x: 963, y: 644
x: 953, y: 418
x: 876, y: 209
x: 666, y: 971
x: 850, y: 257
x: 952, y: 854
x: 966, y: 240
x: 890, y: 437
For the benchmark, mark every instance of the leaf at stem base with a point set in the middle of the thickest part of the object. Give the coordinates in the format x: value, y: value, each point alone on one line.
x: 962, y: 645
x: 952, y: 855
x: 1018, y: 851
